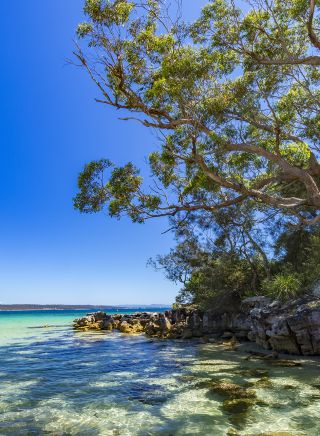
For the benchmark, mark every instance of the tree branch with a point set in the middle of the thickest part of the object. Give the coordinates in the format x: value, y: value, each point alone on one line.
x: 311, y: 33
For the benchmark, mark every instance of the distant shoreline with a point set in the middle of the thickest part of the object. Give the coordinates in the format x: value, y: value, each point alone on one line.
x: 25, y: 307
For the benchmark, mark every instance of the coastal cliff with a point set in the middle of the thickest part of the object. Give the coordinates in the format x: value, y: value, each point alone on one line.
x: 292, y: 328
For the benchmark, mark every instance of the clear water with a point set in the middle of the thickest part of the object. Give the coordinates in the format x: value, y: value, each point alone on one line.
x: 54, y: 381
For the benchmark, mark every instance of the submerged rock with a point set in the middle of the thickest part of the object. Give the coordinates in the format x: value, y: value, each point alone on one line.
x: 232, y: 390
x: 285, y: 363
x: 263, y: 382
x: 237, y: 399
x: 238, y: 405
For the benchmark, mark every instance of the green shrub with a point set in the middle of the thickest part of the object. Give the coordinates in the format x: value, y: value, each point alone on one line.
x: 283, y: 286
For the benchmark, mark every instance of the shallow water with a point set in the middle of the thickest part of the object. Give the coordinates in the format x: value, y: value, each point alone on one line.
x: 55, y: 381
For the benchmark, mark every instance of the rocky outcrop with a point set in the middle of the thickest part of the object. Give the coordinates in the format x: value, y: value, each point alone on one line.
x: 93, y: 321
x: 102, y: 321
x: 292, y: 328
x: 168, y: 324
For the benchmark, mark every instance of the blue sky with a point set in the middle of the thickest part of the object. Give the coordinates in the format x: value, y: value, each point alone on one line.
x: 51, y: 126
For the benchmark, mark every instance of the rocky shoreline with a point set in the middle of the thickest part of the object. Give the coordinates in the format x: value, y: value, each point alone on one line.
x: 292, y: 328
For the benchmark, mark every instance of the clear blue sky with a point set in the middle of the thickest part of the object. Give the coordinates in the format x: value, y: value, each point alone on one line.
x: 51, y: 126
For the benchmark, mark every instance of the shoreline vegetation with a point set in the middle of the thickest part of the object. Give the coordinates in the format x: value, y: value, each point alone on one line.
x: 26, y: 307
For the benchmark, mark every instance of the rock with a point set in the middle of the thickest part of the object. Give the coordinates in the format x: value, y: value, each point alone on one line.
x: 232, y: 390
x: 292, y: 328
x: 92, y: 321
x: 284, y: 344
x: 102, y: 321
x: 232, y: 432
x: 251, y: 336
x: 286, y: 363
x: 255, y: 302
x: 242, y: 335
x: 205, y: 322
x: 151, y: 328
x: 263, y: 382
x: 177, y: 330
x: 197, y: 333
x: 164, y: 324
x: 238, y: 398
x: 108, y: 326
x: 125, y: 327
x: 227, y: 335
x: 187, y: 334
x: 134, y: 327
x: 160, y: 326
x: 116, y: 324
x: 238, y: 405
x: 263, y: 356
x: 251, y: 372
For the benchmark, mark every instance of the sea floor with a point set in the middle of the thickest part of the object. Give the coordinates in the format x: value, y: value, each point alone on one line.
x: 55, y: 381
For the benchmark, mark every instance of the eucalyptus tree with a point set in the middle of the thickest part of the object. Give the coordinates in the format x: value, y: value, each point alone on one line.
x: 217, y: 254
x: 234, y: 97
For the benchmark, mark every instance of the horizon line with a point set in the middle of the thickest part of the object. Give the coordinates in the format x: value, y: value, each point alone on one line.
x: 87, y: 305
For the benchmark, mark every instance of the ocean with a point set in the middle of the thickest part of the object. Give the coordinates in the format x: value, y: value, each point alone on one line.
x: 55, y: 381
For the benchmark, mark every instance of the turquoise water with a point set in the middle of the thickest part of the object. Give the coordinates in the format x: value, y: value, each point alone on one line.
x: 24, y: 325
x: 55, y: 381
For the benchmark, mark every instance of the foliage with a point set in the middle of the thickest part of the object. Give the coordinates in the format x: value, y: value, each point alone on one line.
x: 299, y: 251
x: 282, y: 286
x: 232, y: 262
x: 224, y: 274
x: 92, y: 193
x: 234, y: 97
x: 216, y: 255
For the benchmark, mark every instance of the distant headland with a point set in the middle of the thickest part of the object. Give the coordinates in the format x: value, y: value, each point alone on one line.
x: 20, y: 307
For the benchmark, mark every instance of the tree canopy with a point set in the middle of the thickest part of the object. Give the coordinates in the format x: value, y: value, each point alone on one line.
x: 234, y: 97
x: 219, y: 255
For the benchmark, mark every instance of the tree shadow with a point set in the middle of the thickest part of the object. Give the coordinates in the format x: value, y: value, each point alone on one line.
x: 89, y: 374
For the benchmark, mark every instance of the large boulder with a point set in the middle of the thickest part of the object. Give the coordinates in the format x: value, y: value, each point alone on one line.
x: 292, y: 328
x: 159, y: 325
x: 94, y: 321
x: 133, y: 326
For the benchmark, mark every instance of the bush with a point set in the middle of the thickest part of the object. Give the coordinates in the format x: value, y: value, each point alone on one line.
x: 222, y: 274
x: 283, y: 286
